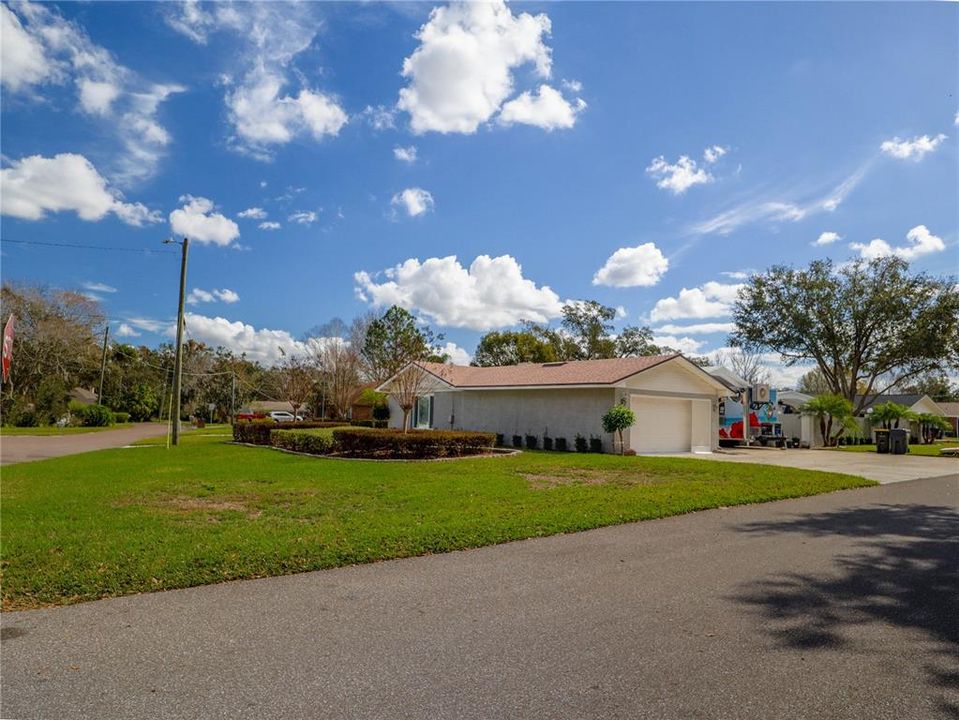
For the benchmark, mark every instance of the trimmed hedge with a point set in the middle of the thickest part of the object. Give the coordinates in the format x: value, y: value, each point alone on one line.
x: 415, y: 444
x: 257, y: 432
x: 301, y: 441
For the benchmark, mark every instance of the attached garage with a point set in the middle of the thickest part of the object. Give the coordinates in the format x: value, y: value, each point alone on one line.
x: 671, y: 425
x: 675, y: 401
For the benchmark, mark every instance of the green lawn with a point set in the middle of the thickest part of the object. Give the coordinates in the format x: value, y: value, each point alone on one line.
x: 52, y: 430
x: 928, y: 450
x: 125, y: 521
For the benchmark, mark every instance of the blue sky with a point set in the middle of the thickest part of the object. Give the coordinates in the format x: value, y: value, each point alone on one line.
x: 326, y: 159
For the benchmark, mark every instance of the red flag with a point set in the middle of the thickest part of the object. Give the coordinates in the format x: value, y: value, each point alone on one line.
x: 7, y: 348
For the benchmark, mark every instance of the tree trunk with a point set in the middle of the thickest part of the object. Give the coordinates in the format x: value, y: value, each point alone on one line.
x: 406, y: 416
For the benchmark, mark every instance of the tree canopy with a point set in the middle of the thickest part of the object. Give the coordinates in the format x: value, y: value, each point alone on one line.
x: 586, y: 333
x: 867, y: 326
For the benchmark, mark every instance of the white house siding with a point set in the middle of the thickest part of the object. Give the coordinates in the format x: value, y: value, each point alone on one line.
x: 554, y: 412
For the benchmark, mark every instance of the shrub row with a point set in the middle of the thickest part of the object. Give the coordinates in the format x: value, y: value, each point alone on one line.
x: 531, y: 442
x: 370, y: 423
x: 301, y: 441
x: 257, y: 432
x: 415, y: 444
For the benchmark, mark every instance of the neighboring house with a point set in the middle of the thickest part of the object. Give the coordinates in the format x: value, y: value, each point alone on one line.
x: 917, y: 403
x: 267, y: 406
x: 951, y: 410
x: 675, y: 401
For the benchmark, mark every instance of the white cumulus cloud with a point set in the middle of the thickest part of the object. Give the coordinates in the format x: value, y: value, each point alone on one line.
x: 712, y: 154
x: 261, y: 345
x: 41, y: 47
x: 303, y: 217
x: 920, y: 242
x: 99, y: 287
x: 199, y: 295
x: 548, y: 109
x: 415, y: 201
x: 264, y: 113
x: 406, y: 154
x: 695, y: 328
x: 253, y: 213
x: 269, y: 225
x: 685, y: 345
x: 36, y: 185
x: 713, y: 299
x: 462, y: 72
x: 456, y: 354
x: 915, y: 149
x: 827, y: 238
x: 640, y: 266
x: 126, y: 330
x: 678, y: 177
x: 490, y: 293
x: 198, y: 221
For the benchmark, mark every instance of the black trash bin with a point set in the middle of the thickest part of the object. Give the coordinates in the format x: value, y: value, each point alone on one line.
x: 898, y: 441
x: 882, y: 441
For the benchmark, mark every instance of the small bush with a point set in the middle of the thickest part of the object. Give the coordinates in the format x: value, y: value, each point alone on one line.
x: 26, y: 418
x: 381, y: 412
x: 580, y: 443
x: 595, y: 445
x: 257, y: 432
x: 381, y: 423
x: 531, y: 442
x: 301, y: 441
x: 122, y: 417
x: 517, y: 441
x: 547, y: 442
x: 561, y: 444
x: 98, y: 416
x: 412, y: 445
x: 500, y: 440
x: 361, y: 423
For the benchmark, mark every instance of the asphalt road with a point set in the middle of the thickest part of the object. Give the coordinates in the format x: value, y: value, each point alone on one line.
x: 838, y: 606
x: 24, y: 448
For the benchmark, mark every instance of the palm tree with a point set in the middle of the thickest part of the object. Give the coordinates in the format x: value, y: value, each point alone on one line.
x: 832, y: 410
x: 890, y: 414
x: 929, y: 424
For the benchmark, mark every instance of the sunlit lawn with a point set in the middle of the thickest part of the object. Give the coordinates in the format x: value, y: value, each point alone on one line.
x: 132, y: 520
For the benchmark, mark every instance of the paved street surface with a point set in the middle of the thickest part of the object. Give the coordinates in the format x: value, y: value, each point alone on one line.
x: 882, y: 468
x: 24, y: 448
x: 838, y: 606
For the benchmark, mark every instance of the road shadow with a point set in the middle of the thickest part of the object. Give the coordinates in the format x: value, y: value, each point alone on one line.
x: 905, y: 573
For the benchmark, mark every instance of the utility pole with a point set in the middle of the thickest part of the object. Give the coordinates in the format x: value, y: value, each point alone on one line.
x: 178, y: 358
x: 103, y: 363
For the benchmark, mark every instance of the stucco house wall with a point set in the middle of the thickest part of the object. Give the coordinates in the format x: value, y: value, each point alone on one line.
x: 557, y: 413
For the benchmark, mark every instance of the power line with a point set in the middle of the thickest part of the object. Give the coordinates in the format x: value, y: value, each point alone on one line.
x: 81, y: 246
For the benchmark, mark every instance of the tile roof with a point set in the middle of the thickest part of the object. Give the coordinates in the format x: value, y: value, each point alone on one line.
x: 573, y: 372
x: 907, y: 400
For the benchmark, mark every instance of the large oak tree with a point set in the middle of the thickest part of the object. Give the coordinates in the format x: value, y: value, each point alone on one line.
x: 868, y: 326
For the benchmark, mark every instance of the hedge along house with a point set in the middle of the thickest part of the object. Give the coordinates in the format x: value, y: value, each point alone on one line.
x: 675, y: 401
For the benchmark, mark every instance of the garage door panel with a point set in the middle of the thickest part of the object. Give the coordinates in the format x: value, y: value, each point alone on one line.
x: 662, y: 425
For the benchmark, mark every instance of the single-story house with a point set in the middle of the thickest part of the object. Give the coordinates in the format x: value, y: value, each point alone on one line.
x: 675, y: 401
x: 919, y: 404
x: 951, y: 410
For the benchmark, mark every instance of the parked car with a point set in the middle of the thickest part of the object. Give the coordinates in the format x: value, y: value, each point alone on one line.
x: 248, y: 414
x: 284, y: 416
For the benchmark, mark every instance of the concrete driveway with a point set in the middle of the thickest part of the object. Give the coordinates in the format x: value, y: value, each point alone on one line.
x: 841, y: 606
x: 24, y: 448
x: 882, y: 468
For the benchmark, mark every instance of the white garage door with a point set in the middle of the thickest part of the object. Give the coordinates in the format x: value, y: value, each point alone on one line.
x: 662, y: 425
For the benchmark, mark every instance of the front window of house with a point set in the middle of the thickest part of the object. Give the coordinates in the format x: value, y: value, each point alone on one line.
x: 423, y: 411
